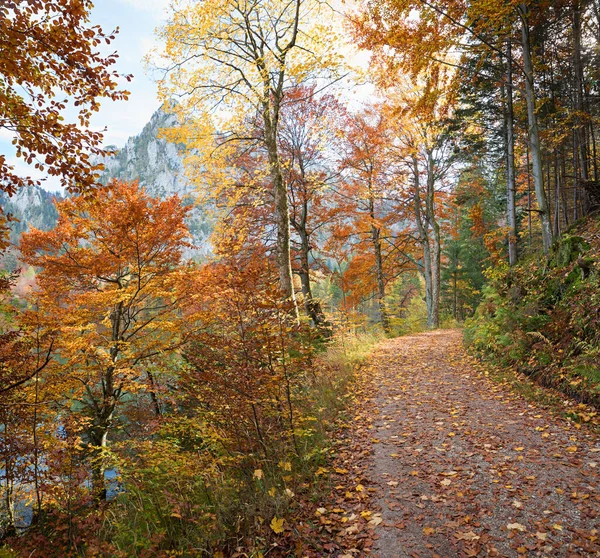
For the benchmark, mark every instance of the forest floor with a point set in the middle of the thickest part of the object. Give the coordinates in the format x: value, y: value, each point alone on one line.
x: 450, y: 463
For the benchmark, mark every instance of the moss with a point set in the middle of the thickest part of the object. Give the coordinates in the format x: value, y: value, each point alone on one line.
x: 542, y: 316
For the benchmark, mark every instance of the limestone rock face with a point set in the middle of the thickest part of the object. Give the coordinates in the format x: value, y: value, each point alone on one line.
x: 158, y: 165
x: 155, y: 162
x: 33, y: 207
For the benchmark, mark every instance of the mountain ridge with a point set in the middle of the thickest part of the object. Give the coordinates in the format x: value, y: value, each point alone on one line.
x: 155, y: 162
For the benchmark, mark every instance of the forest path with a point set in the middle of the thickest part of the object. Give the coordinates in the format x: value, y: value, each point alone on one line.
x: 465, y: 467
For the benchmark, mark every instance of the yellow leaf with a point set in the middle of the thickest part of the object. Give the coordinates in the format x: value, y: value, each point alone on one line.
x: 258, y: 474
x: 428, y: 531
x: 277, y: 525
x: 572, y: 449
x: 376, y: 520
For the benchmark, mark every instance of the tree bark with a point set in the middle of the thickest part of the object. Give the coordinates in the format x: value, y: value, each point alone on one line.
x: 425, y: 245
x: 534, y: 137
x: 376, y: 240
x: 437, y: 244
x: 312, y: 307
x: 511, y: 212
x: 282, y: 213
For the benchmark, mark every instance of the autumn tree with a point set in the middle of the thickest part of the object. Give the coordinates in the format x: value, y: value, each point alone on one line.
x: 227, y: 60
x: 444, y: 31
x: 250, y: 359
x: 309, y: 142
x: 367, y: 212
x: 112, y: 286
x: 49, y: 49
x: 426, y: 147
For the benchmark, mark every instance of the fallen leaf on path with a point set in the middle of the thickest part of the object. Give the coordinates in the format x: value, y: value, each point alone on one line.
x: 277, y: 525
x: 428, y: 531
x: 468, y: 536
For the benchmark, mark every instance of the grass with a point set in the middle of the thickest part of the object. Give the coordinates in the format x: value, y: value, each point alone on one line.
x: 551, y: 399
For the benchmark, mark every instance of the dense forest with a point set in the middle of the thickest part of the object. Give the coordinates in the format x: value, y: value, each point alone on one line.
x: 161, y: 400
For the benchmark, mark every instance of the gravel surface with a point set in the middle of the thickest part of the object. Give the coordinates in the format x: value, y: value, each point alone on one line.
x: 464, y: 467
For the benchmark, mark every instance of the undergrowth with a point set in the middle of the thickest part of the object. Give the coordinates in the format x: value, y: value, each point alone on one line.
x: 196, y: 487
x: 542, y: 317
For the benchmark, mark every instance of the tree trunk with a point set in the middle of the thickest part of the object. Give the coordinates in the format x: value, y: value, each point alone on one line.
x: 99, y: 442
x: 312, y: 306
x: 534, y: 137
x: 282, y: 214
x: 98, y: 433
x: 9, y: 483
x: 436, y: 278
x: 103, y: 408
x: 425, y: 245
x: 510, y: 163
x: 580, y: 129
x: 375, y: 238
x: 579, y: 105
x: 437, y: 244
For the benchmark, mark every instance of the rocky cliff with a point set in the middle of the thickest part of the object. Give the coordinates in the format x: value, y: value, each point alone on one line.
x: 156, y: 163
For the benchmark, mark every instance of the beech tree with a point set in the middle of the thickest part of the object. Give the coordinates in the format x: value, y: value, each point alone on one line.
x: 49, y: 49
x: 112, y: 286
x: 426, y: 150
x: 241, y: 57
x: 367, y: 211
x: 309, y: 141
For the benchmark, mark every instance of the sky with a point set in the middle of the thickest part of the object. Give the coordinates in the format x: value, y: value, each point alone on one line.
x: 137, y: 20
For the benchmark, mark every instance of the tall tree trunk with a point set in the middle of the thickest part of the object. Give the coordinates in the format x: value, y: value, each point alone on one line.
x: 511, y: 212
x: 581, y: 128
x: 98, y: 433
x: 534, y: 137
x: 436, y: 266
x: 529, y: 206
x: 425, y: 245
x: 579, y: 94
x: 312, y: 306
x: 376, y: 239
x: 9, y: 479
x: 103, y: 407
x: 282, y: 213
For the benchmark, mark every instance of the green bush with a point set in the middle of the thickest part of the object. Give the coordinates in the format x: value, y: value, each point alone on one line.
x: 543, y: 318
